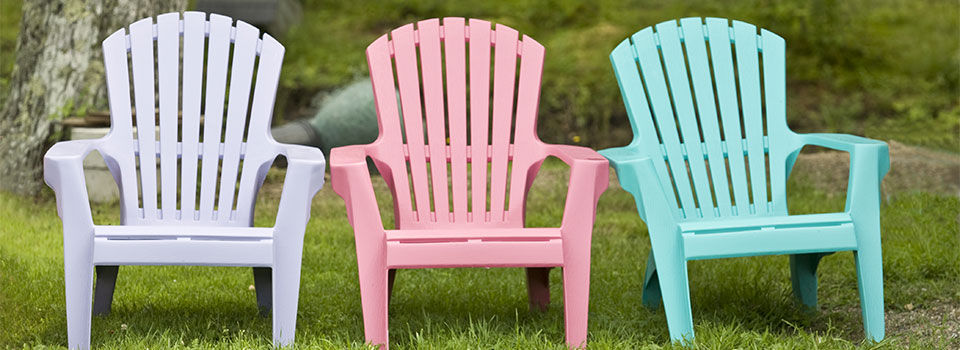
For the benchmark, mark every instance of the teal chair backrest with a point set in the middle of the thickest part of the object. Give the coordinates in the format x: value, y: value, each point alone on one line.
x: 706, y: 101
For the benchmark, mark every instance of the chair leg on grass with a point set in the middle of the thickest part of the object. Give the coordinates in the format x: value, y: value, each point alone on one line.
x: 286, y: 293
x: 78, y: 280
x: 651, y: 285
x: 103, y: 292
x: 803, y: 274
x: 870, y: 283
x: 374, y: 289
x: 538, y: 288
x: 576, y: 293
x: 262, y: 281
x: 675, y: 290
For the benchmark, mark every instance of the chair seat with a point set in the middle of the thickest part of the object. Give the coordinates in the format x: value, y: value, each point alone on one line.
x: 183, y: 245
x: 462, y: 235
x: 794, y: 234
x: 474, y: 248
x: 763, y: 222
x: 182, y: 232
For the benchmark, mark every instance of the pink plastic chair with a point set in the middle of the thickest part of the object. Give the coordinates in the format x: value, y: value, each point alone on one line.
x: 481, y: 229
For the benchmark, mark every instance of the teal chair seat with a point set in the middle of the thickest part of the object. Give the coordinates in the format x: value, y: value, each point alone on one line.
x: 710, y: 158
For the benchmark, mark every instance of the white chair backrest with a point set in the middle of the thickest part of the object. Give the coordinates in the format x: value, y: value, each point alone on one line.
x: 234, y: 139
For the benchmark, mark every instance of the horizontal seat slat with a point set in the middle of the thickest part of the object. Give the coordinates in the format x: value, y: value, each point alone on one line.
x: 518, y: 234
x: 794, y: 240
x: 756, y: 223
x: 171, y: 231
x: 183, y: 252
x: 475, y: 254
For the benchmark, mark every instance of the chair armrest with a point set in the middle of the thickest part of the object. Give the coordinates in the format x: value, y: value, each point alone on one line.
x: 869, y: 162
x: 350, y: 178
x: 638, y: 175
x: 305, y: 170
x: 589, y: 178
x: 63, y: 172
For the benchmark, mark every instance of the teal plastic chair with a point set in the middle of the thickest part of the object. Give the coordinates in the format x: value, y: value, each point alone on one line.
x: 710, y: 158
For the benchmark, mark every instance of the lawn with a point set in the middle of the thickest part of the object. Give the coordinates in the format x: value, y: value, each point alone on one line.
x: 737, y: 303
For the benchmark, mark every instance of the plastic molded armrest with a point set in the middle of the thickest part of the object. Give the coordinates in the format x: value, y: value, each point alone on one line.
x: 350, y: 178
x: 63, y: 172
x: 589, y: 178
x: 868, y: 158
x: 305, y: 169
x: 638, y: 175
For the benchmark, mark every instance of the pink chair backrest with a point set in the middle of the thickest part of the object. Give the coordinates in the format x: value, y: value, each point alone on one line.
x: 235, y: 140
x: 480, y: 152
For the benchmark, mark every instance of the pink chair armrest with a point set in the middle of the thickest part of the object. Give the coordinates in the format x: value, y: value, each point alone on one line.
x: 350, y: 179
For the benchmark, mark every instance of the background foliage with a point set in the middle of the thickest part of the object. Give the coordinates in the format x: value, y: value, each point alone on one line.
x: 886, y: 69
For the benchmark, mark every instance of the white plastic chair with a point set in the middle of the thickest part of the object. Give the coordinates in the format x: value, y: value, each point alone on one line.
x: 212, y: 234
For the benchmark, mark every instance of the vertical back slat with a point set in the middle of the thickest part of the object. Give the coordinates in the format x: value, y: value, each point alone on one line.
x: 194, y: 25
x: 408, y: 81
x: 479, y: 113
x: 673, y: 58
x: 525, y: 131
x: 652, y: 72
x: 258, y: 154
x: 748, y: 69
x: 775, y: 98
x: 431, y: 64
x: 218, y: 51
x: 455, y: 61
x: 141, y: 46
x: 504, y: 80
x: 723, y: 71
x: 121, y: 121
x: 168, y: 72
x: 241, y: 73
x: 635, y: 101
x: 388, y: 119
x: 706, y: 109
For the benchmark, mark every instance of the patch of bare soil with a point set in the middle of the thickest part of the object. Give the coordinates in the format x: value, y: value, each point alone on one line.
x: 912, y: 169
x: 939, y: 321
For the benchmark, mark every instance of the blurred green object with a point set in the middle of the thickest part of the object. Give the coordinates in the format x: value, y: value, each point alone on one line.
x: 345, y: 117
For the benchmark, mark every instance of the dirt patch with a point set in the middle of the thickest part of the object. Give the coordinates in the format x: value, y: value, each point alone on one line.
x: 912, y: 169
x: 939, y: 321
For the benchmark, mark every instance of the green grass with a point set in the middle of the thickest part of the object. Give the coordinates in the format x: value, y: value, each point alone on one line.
x: 737, y: 303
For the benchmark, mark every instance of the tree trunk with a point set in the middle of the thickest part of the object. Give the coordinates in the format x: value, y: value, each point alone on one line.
x: 58, y: 72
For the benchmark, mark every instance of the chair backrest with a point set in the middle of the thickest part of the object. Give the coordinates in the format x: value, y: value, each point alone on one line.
x: 443, y: 74
x: 724, y: 86
x: 234, y: 140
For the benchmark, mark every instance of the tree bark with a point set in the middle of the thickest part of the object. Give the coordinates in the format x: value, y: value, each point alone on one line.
x: 58, y: 72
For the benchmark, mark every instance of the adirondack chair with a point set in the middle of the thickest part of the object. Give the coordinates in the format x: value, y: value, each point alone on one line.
x: 681, y: 181
x: 485, y: 225
x: 177, y: 230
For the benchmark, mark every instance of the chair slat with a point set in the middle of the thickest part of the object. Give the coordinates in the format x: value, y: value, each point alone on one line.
x: 635, y: 100
x: 652, y: 72
x: 431, y: 64
x: 455, y: 61
x: 194, y: 24
x: 723, y: 71
x: 775, y: 95
x: 141, y: 48
x: 748, y: 71
x: 168, y: 72
x: 241, y: 73
x: 673, y: 58
x: 385, y: 95
x: 121, y: 121
x: 479, y: 113
x: 256, y: 161
x: 408, y: 81
x: 504, y: 78
x: 706, y: 109
x: 525, y: 131
x: 218, y: 51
